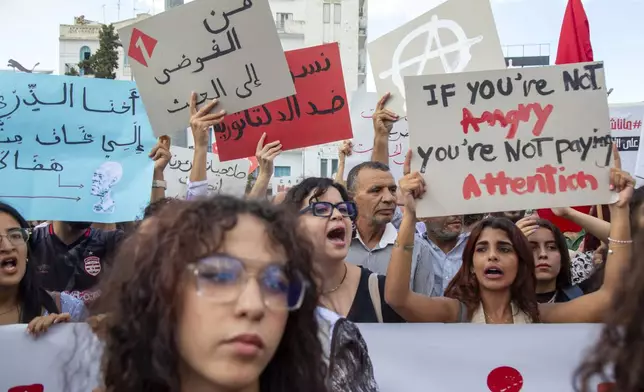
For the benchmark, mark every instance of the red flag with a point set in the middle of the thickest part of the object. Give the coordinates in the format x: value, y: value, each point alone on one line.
x: 574, y: 47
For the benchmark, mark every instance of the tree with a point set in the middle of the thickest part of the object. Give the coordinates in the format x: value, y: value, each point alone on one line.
x: 72, y: 72
x: 104, y: 62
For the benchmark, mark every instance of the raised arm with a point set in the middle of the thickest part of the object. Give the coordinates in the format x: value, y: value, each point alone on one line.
x: 411, y: 306
x: 591, y: 308
x: 265, y: 155
x: 343, y: 152
x: 595, y: 226
x: 160, y: 154
x: 383, y: 122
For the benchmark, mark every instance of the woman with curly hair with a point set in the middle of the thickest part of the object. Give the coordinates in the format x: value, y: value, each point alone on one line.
x: 217, y: 295
x: 496, y: 282
x: 619, y: 353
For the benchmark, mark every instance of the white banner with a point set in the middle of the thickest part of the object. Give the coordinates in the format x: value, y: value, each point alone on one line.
x: 223, y: 177
x: 626, y: 130
x: 406, y: 357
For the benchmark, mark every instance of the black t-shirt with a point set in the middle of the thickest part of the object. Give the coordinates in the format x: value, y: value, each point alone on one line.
x: 362, y: 310
x: 74, y: 269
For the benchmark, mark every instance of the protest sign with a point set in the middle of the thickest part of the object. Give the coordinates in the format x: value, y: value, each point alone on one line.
x: 405, y: 357
x: 227, y: 50
x: 227, y: 178
x: 64, y: 359
x: 74, y: 149
x: 317, y: 114
x: 481, y: 358
x: 502, y: 140
x: 362, y: 108
x: 626, y: 129
x: 283, y: 184
x: 456, y: 36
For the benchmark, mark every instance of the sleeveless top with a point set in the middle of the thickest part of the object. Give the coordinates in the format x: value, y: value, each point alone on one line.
x: 518, y: 316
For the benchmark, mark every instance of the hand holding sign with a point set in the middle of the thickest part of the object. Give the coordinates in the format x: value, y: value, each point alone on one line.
x: 383, y: 119
x: 202, y: 120
x: 621, y: 182
x: 412, y: 185
x: 160, y: 154
x: 346, y: 149
x: 40, y: 324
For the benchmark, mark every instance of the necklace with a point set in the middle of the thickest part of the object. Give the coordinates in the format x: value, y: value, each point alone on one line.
x: 11, y: 309
x: 340, y: 284
x: 508, y: 320
x: 552, y: 300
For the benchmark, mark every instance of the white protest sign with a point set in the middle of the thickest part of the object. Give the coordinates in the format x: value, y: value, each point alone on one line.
x: 228, y: 177
x: 225, y: 49
x: 284, y: 184
x: 456, y: 36
x: 66, y: 358
x: 481, y: 358
x: 626, y: 129
x: 362, y: 108
x: 511, y: 139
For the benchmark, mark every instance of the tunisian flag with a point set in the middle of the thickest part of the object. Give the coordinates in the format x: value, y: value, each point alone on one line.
x: 574, y: 47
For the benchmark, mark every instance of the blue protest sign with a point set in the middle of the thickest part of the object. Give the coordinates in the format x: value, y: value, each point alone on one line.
x: 73, y: 149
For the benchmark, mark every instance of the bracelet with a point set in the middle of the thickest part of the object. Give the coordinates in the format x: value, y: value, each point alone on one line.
x: 620, y: 241
x: 405, y: 247
x: 159, y: 184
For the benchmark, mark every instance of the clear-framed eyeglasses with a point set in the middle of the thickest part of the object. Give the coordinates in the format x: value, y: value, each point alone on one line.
x: 325, y: 209
x: 16, y: 237
x: 222, y: 279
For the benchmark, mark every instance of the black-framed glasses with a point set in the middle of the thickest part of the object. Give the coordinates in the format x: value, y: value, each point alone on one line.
x: 17, y: 236
x: 325, y: 209
x: 223, y: 278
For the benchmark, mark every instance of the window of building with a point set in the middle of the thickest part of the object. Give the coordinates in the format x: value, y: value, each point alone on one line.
x: 334, y: 166
x: 337, y: 13
x: 324, y: 163
x: 326, y: 12
x: 126, y: 60
x: 85, y: 53
x: 281, y: 18
x: 282, y: 171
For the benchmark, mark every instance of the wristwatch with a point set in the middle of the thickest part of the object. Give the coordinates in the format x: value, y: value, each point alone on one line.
x: 159, y: 184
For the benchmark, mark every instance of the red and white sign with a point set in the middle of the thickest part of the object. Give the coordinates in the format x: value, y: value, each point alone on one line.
x: 317, y: 114
x: 141, y: 47
x: 92, y: 265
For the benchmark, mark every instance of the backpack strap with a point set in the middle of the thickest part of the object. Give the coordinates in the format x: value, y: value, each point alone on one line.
x: 374, y: 292
x: 573, y: 292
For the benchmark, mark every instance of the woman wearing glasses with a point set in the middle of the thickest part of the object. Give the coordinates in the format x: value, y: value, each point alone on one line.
x: 217, y: 295
x: 326, y: 214
x: 22, y: 299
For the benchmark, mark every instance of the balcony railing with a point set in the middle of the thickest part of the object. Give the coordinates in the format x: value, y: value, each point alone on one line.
x: 289, y: 26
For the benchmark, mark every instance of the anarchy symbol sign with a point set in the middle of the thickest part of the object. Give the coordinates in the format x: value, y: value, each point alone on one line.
x: 433, y: 49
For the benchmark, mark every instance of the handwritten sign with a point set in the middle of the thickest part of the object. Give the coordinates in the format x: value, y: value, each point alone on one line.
x: 284, y: 184
x: 229, y: 178
x: 626, y: 128
x: 511, y: 139
x: 65, y: 358
x: 362, y: 108
x: 456, y: 36
x: 73, y: 149
x: 317, y: 114
x: 225, y: 49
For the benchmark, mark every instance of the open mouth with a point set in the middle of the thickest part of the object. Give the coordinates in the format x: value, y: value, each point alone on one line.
x: 493, y: 272
x: 9, y: 264
x: 337, y: 235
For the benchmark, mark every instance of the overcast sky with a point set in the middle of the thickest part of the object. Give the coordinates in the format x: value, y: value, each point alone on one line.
x: 29, y: 29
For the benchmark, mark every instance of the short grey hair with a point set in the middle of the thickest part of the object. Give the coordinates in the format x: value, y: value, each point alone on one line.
x: 352, y: 178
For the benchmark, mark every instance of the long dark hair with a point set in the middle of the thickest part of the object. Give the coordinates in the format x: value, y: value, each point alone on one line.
x: 564, y: 279
x: 33, y: 298
x: 620, y: 349
x: 141, y: 296
x: 465, y: 287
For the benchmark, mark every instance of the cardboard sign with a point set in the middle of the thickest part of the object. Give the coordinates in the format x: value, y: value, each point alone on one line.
x: 317, y: 114
x: 456, y: 36
x: 227, y: 178
x: 73, y: 149
x: 511, y: 139
x: 626, y: 129
x: 362, y: 108
x: 226, y: 49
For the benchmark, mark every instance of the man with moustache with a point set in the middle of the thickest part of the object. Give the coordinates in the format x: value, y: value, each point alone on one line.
x: 446, y: 238
x: 373, y: 189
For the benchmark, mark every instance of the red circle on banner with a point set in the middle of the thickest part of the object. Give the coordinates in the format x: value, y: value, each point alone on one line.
x: 505, y: 379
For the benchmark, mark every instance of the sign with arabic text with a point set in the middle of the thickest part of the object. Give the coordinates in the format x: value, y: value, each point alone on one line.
x: 626, y: 129
x: 317, y: 114
x: 74, y: 149
x: 227, y: 50
x: 457, y: 36
x: 362, y: 108
x: 513, y: 139
x: 223, y: 177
